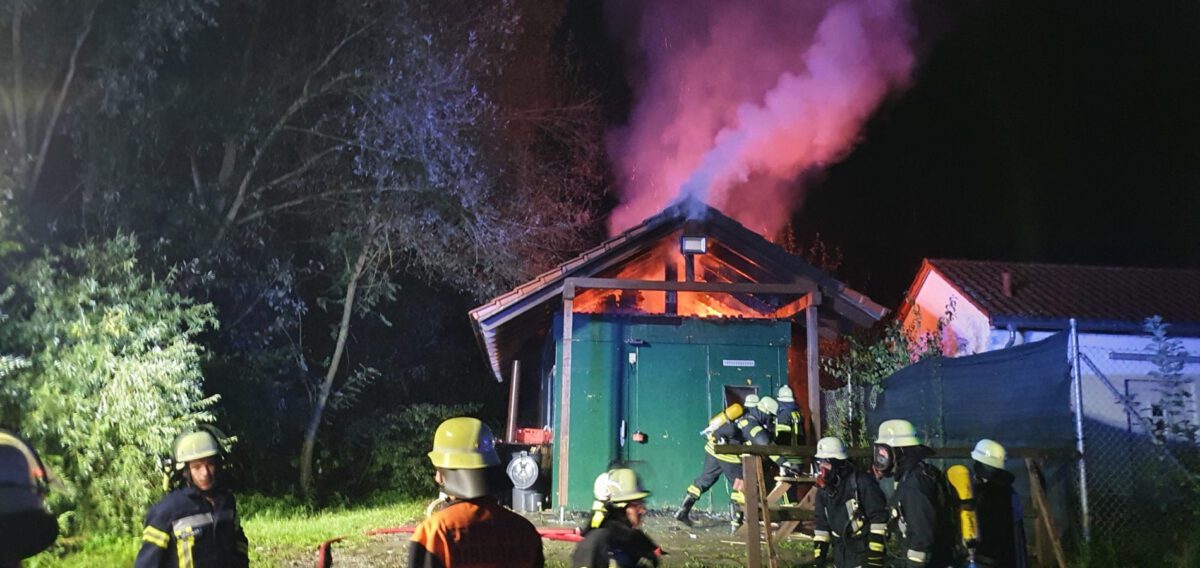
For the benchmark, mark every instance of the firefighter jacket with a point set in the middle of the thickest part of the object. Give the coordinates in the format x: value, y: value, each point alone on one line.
x: 789, y: 425
x: 740, y: 431
x: 847, y: 513
x: 186, y: 529
x: 475, y: 533
x: 1001, y: 519
x: 920, y: 507
x: 615, y: 544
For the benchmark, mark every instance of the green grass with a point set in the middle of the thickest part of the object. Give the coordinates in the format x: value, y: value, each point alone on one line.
x: 278, y: 531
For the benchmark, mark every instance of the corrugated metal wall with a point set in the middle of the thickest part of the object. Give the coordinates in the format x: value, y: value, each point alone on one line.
x: 663, y: 377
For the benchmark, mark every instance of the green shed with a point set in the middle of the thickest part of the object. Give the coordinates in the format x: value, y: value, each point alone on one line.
x: 622, y: 354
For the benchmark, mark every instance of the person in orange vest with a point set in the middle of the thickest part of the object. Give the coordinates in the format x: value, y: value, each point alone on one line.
x: 473, y: 530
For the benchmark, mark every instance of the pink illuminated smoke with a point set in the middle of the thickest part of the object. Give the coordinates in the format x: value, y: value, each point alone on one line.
x: 735, y: 100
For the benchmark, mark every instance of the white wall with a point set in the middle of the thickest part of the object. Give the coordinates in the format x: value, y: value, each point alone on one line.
x: 968, y: 333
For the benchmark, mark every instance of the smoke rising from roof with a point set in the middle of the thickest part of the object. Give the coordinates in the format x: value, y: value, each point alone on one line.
x: 736, y: 101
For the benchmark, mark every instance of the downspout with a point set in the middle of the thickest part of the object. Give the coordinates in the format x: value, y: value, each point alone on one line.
x: 1012, y: 336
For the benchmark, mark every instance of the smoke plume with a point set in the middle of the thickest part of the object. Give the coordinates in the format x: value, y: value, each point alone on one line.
x: 737, y: 101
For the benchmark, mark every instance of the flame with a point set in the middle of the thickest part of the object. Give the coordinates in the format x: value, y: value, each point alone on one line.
x: 666, y: 263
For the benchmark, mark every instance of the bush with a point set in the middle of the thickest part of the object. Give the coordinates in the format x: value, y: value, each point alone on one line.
x: 112, y: 376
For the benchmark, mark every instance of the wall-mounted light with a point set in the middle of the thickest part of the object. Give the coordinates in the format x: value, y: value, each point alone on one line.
x: 693, y: 245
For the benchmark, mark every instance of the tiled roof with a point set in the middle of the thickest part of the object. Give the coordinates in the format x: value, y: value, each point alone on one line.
x: 504, y: 324
x: 1096, y: 295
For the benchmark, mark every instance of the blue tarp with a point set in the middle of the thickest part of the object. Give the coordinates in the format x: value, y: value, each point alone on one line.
x: 1020, y: 396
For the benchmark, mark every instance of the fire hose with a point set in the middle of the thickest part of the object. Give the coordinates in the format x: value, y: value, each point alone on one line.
x: 325, y: 550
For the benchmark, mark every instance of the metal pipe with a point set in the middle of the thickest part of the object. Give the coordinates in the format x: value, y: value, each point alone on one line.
x: 1077, y: 379
x: 514, y: 387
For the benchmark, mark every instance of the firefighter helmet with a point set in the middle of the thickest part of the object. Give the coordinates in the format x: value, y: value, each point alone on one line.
x: 785, y: 394
x: 989, y: 452
x: 767, y: 405
x: 898, y: 434
x: 619, y: 486
x: 195, y: 445
x: 463, y: 443
x: 830, y: 449
x: 751, y: 401
x: 27, y: 525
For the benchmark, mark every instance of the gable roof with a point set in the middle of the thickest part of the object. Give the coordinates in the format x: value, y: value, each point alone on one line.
x: 505, y: 324
x: 1046, y: 296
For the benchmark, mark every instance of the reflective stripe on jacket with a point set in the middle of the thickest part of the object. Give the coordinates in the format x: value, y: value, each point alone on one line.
x: 186, y: 530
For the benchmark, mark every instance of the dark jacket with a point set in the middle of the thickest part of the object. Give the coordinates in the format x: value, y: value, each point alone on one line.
x: 789, y: 425
x: 1001, y: 523
x: 848, y: 534
x: 185, y: 528
x: 920, y: 506
x: 475, y: 533
x: 749, y: 428
x: 615, y: 542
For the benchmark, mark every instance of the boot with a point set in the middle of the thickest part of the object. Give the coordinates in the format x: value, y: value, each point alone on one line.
x: 685, y: 509
x: 736, y: 519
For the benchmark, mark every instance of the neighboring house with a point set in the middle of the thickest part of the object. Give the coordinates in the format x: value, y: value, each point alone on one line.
x: 993, y: 305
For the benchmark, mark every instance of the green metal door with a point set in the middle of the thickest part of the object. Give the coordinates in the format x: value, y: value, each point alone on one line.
x: 666, y: 415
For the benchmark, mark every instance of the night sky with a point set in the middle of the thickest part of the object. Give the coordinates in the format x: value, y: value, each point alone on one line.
x: 1034, y: 131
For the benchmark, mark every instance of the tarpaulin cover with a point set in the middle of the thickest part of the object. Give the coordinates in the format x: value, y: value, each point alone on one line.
x: 1020, y: 396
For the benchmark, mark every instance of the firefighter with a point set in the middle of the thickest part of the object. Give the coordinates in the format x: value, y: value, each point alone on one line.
x: 26, y: 524
x: 750, y: 402
x: 998, y: 509
x: 789, y: 423
x: 920, y: 503
x: 614, y: 536
x: 752, y: 427
x: 850, y: 511
x: 196, y: 524
x: 473, y: 529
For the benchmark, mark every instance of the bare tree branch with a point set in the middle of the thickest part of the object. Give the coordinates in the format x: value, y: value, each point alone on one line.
x: 18, y: 112
x: 48, y: 134
x: 251, y: 169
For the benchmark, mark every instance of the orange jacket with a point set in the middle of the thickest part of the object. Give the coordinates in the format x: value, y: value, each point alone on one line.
x: 475, y: 533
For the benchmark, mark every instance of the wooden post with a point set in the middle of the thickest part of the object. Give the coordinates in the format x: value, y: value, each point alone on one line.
x: 514, y: 390
x: 766, y: 514
x: 1047, y: 522
x: 813, y: 366
x: 751, y: 472
x: 564, y: 424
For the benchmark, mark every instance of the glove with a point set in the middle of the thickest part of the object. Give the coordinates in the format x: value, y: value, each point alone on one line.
x: 821, y: 554
x: 876, y: 547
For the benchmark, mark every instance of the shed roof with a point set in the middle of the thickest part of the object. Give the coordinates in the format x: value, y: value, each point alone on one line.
x: 1046, y: 296
x: 508, y: 322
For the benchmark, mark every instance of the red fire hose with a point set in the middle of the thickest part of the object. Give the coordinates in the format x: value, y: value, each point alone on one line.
x: 563, y: 534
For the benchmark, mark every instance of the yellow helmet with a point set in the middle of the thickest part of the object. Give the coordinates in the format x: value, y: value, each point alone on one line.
x: 898, y: 434
x: 619, y: 486
x: 463, y: 443
x: 989, y: 452
x: 193, y: 446
x: 767, y: 405
x: 785, y: 394
x: 830, y: 448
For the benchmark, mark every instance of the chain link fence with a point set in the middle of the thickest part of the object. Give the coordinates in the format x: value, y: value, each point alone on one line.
x: 1140, y: 461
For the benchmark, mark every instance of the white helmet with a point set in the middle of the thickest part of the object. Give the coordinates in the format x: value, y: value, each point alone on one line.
x: 830, y: 449
x: 767, y: 405
x: 751, y: 401
x: 989, y: 452
x: 898, y: 434
x: 785, y: 394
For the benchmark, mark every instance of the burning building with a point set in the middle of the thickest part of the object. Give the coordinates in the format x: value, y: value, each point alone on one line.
x: 623, y: 353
